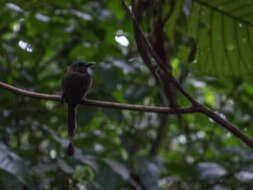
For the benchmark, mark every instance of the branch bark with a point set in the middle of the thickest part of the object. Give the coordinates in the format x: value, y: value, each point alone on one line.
x: 158, y: 60
x: 97, y: 103
x: 103, y: 104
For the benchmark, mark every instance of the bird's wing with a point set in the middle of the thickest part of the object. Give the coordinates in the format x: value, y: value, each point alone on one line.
x: 87, y: 82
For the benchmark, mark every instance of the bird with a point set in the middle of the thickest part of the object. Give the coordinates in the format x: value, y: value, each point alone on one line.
x: 75, y: 85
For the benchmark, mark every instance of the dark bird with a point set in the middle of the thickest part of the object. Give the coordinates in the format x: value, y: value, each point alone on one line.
x: 75, y: 85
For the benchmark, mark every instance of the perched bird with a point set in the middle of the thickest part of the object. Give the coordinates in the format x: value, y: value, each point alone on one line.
x: 75, y: 85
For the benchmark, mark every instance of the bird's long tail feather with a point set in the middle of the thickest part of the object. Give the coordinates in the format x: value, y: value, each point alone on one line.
x: 71, y: 128
x: 71, y: 121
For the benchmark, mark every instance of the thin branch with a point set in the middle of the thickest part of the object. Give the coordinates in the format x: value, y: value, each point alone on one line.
x: 115, y: 105
x: 226, y: 125
x: 149, y: 46
x: 98, y: 103
x: 137, y: 8
x: 145, y: 57
x: 172, y: 7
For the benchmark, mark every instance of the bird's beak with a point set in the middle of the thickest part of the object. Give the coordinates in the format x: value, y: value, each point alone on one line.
x: 90, y: 64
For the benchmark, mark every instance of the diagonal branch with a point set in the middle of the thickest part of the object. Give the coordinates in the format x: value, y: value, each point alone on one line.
x: 202, y: 109
x: 98, y: 103
x: 227, y: 125
x: 156, y: 57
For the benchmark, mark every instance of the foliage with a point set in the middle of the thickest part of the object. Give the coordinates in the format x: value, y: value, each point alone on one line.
x: 223, y: 32
x: 124, y: 149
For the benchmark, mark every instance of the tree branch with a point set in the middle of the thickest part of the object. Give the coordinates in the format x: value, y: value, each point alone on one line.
x: 157, y: 109
x: 156, y: 57
x: 202, y: 109
x: 227, y: 125
x: 172, y: 7
x: 98, y: 103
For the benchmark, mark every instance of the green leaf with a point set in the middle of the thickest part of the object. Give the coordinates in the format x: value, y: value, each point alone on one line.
x: 83, y: 172
x: 224, y: 37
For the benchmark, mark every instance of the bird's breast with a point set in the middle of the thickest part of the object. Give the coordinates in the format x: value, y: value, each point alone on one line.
x: 75, y: 86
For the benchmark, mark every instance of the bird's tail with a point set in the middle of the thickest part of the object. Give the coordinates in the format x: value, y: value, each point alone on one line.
x: 71, y: 149
x: 71, y: 128
x: 71, y: 120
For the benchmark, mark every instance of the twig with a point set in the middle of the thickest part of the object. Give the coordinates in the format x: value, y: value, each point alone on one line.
x: 172, y: 6
x: 98, y: 103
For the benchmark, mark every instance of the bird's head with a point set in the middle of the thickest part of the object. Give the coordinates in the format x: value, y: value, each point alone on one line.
x: 80, y: 66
